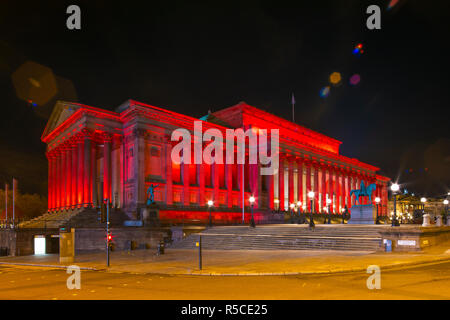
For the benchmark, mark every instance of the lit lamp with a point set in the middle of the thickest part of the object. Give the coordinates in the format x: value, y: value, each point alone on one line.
x: 252, y: 201
x: 299, y: 206
x: 210, y: 204
x: 446, y: 211
x: 311, y: 197
x: 377, y: 201
x: 329, y: 210
x: 277, y: 204
x: 394, y: 188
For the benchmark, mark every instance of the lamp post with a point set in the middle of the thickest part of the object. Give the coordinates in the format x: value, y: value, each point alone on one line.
x: 292, y: 206
x: 423, y: 200
x: 394, y: 188
x: 299, y: 205
x: 252, y: 221
x: 311, y: 197
x: 343, y: 214
x: 277, y: 203
x: 210, y: 204
x: 446, y: 211
x: 377, y: 201
x: 329, y: 210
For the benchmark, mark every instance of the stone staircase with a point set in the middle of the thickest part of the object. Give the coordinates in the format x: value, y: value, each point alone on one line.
x: 287, y: 237
x: 77, y: 218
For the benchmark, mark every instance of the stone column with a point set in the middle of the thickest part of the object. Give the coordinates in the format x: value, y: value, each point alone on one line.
x: 324, y: 188
x: 80, y: 173
x: 87, y: 184
x: 330, y: 188
x: 308, y: 185
x: 50, y: 180
x: 229, y: 183
x: 94, y: 186
x: 63, y: 177
x: 168, y: 170
x: 74, y: 168
x: 201, y: 182
x: 215, y: 180
x: 270, y: 191
x: 57, y: 182
x: 281, y: 183
x: 316, y: 188
x: 338, y: 190
x: 291, y: 182
x: 185, y: 176
x: 69, y: 176
x: 345, y: 190
x: 300, y: 182
x: 107, y: 166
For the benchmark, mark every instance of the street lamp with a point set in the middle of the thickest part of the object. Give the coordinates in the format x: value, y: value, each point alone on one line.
x: 446, y: 211
x: 329, y: 210
x: 377, y: 201
x: 394, y: 188
x: 299, y: 205
x: 252, y: 221
x: 343, y: 214
x: 311, y: 197
x: 210, y: 204
x: 277, y: 202
x: 292, y: 206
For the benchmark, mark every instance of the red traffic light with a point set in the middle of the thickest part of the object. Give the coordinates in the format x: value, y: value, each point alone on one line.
x: 109, y: 237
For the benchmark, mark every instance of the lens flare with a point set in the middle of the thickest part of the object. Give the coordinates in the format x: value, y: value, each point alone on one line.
x: 335, y: 78
x: 324, y: 92
x: 355, y: 79
x: 358, y: 50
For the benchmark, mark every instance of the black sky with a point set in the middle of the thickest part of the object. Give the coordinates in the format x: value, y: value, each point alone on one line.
x: 194, y: 56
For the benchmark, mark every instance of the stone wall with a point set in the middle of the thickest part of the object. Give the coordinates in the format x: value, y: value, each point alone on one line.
x: 20, y: 242
x: 415, y: 238
x: 88, y: 240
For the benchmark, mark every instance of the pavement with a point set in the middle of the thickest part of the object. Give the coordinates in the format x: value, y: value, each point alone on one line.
x: 237, y: 262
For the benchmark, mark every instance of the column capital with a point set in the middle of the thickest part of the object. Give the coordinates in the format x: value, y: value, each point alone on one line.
x: 106, y: 137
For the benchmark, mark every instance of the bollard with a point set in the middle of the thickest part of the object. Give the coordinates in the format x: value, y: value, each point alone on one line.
x: 199, y: 245
x: 439, y: 221
x: 426, y: 220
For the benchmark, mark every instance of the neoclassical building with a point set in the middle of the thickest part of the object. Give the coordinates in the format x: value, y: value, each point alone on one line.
x: 95, y: 154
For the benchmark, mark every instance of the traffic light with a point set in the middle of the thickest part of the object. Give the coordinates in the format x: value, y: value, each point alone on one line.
x: 109, y: 238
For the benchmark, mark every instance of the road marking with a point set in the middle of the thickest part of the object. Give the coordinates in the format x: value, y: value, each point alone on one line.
x: 109, y: 288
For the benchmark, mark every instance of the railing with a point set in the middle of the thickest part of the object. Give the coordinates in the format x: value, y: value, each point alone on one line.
x: 72, y: 207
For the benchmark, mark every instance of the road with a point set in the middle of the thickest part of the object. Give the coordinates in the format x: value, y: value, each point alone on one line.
x: 421, y: 282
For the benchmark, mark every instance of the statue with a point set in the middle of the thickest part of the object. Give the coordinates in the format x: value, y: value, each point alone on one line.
x: 363, y: 191
x: 151, y: 194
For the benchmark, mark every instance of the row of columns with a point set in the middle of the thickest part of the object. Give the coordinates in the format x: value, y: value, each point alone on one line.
x: 336, y: 184
x: 73, y: 169
x: 252, y: 176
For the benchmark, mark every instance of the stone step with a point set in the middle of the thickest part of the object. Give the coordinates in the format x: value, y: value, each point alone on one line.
x: 291, y: 237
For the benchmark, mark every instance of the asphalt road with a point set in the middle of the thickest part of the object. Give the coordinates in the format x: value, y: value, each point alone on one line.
x: 422, y: 282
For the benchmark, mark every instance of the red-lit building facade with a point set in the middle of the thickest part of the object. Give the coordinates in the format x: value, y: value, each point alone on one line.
x: 95, y: 154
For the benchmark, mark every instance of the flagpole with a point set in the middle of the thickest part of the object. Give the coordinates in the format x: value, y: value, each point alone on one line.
x: 6, y: 202
x: 293, y: 107
x: 14, y: 201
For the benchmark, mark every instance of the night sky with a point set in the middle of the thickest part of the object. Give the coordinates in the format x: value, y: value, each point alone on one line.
x: 192, y: 57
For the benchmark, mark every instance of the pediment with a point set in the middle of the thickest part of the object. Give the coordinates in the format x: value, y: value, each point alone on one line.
x: 60, y: 113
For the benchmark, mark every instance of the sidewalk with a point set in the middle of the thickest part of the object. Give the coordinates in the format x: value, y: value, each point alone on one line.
x: 233, y: 262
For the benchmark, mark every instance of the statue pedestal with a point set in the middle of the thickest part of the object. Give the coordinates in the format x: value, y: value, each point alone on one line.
x: 150, y: 216
x: 362, y: 214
